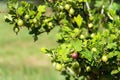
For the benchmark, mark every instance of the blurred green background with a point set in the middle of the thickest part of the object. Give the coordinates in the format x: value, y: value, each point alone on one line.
x: 20, y: 56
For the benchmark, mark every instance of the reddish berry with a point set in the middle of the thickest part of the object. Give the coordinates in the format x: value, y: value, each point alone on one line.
x: 74, y: 55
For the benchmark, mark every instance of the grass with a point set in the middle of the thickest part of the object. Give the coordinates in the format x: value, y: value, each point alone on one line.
x: 20, y: 56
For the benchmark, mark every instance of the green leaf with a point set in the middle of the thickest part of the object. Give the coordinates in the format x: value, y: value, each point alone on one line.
x: 12, y: 4
x: 87, y: 54
x: 118, y: 55
x: 44, y: 50
x: 82, y: 0
x: 77, y: 45
x: 112, y: 54
x: 39, y: 14
x: 112, y: 12
x: 41, y: 8
x: 20, y: 11
x: 114, y: 6
x: 114, y: 72
x: 59, y: 36
x: 65, y: 21
x: 66, y: 29
x: 78, y: 20
x: 119, y: 69
x: 62, y: 55
x: 111, y: 45
x: 24, y: 3
x: 8, y: 18
x: 98, y: 3
x: 32, y: 13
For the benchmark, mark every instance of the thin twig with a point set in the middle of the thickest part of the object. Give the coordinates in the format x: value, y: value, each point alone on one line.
x: 88, y: 7
x: 111, y: 3
x: 102, y: 10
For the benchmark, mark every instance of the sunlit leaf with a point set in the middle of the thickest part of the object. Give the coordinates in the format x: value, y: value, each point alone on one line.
x: 78, y: 20
x: 77, y: 45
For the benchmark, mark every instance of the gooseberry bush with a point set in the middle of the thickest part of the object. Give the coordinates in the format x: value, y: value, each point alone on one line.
x: 88, y: 37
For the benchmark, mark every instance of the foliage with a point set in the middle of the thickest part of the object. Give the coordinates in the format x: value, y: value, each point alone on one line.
x: 89, y: 29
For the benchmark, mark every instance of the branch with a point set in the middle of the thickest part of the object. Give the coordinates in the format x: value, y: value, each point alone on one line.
x: 111, y: 3
x: 102, y: 10
x: 88, y: 8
